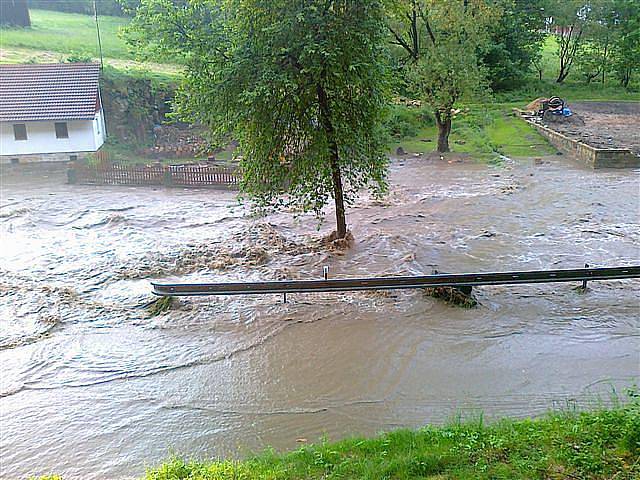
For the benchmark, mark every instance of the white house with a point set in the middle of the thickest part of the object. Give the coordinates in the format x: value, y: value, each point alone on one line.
x: 50, y: 112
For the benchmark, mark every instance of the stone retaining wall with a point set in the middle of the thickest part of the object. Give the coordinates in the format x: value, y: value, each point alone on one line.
x: 591, y: 156
x: 43, y: 158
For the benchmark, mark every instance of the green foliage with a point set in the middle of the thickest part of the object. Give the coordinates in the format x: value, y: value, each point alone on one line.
x: 403, y: 121
x: 516, y: 42
x: 300, y: 84
x: 79, y: 58
x: 442, y: 41
x: 588, y: 445
x: 626, y: 52
x: 571, y: 91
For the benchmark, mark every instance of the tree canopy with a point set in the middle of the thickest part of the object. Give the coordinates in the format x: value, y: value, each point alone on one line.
x: 300, y: 84
x: 516, y: 40
x: 443, y: 41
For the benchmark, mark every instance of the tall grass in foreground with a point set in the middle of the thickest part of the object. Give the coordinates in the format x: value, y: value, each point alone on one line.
x: 602, y: 444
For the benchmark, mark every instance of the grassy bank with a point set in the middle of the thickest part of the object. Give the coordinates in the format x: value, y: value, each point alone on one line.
x: 56, y: 36
x: 68, y: 33
x: 602, y: 444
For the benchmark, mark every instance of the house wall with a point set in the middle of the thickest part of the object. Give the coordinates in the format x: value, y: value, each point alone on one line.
x: 84, y: 136
x: 99, y: 129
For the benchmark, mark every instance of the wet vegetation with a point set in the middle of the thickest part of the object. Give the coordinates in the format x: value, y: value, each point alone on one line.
x: 455, y: 296
x: 603, y: 444
x: 161, y: 305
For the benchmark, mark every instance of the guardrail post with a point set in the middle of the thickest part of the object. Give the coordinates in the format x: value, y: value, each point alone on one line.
x: 325, y: 272
x: 584, y: 282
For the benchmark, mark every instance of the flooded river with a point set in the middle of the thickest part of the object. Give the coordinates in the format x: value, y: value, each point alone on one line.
x: 92, y: 387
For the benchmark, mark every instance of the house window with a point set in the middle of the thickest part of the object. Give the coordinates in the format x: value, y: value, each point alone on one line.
x: 19, y: 131
x: 61, y: 130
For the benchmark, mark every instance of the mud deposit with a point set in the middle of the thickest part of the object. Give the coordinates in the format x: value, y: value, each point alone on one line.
x: 607, y: 125
x: 91, y: 387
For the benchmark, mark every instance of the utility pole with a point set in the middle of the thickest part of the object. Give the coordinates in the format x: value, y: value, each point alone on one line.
x: 95, y: 12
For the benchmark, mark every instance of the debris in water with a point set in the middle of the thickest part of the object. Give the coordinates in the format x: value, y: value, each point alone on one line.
x: 459, y: 296
x: 161, y: 305
x: 335, y: 243
x: 251, y: 247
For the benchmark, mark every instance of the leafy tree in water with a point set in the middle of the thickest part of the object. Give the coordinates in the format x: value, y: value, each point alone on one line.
x: 443, y: 40
x: 300, y: 84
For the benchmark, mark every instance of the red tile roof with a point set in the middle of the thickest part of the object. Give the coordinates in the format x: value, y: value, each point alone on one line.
x: 62, y: 91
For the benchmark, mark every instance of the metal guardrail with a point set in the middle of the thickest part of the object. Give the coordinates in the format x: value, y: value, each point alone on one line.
x: 391, y: 283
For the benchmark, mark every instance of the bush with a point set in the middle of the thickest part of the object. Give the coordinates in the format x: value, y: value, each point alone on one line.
x: 406, y: 122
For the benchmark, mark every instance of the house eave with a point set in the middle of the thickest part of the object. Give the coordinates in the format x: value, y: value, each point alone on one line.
x: 49, y: 119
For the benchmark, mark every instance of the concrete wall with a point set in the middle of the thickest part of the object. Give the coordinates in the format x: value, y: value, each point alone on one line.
x: 591, y: 156
x: 84, y: 136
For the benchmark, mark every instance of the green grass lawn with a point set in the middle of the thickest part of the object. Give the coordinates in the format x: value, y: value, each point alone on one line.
x: 68, y: 33
x: 486, y: 132
x: 56, y: 36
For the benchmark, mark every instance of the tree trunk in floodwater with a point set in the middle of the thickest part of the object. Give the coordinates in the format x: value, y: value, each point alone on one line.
x: 334, y: 158
x: 444, y: 129
x: 341, y: 222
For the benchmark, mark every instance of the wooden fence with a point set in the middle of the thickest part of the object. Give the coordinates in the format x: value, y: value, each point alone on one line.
x: 167, y: 175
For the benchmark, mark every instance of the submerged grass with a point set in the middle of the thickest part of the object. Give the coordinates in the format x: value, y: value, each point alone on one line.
x: 160, y: 305
x: 602, y: 444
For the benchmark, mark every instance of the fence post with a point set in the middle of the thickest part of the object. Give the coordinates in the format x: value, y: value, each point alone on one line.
x: 72, y: 174
x: 167, y: 179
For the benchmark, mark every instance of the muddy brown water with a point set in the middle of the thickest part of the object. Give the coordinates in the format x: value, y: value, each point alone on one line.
x: 91, y: 387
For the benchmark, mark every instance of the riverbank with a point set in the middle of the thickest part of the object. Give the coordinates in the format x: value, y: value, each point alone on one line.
x: 600, y: 444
